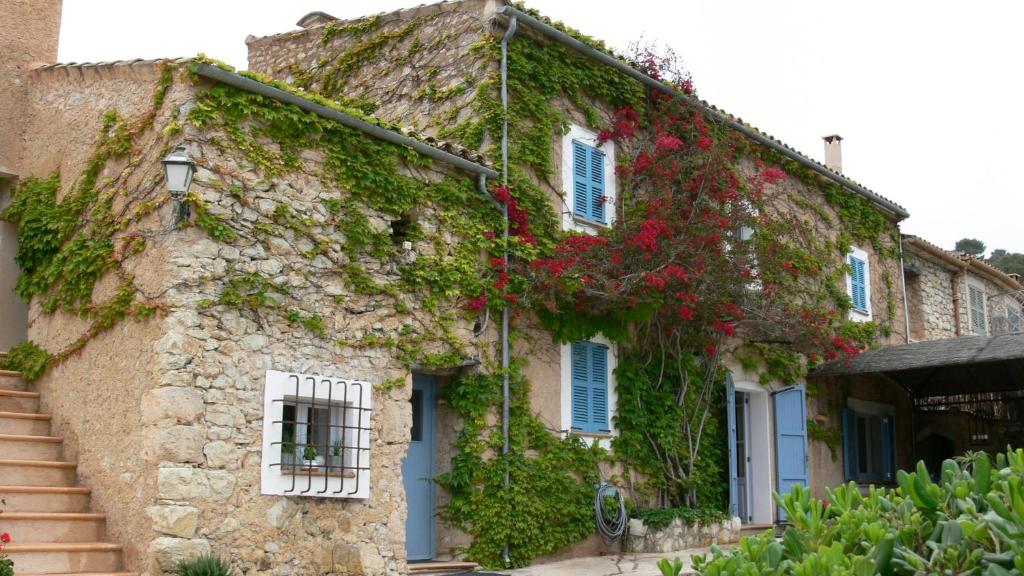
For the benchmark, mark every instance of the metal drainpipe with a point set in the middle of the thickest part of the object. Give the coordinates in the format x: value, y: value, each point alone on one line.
x: 903, y: 282
x: 954, y: 285
x: 505, y: 360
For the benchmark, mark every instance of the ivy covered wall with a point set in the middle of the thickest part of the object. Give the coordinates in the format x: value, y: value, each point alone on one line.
x: 296, y: 259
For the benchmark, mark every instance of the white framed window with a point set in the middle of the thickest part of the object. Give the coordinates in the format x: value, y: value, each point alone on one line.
x: 858, y: 284
x: 588, y: 388
x: 588, y: 181
x: 1013, y: 318
x: 977, y: 307
x: 316, y: 436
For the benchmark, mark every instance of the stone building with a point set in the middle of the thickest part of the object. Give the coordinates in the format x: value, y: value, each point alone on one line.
x: 254, y: 369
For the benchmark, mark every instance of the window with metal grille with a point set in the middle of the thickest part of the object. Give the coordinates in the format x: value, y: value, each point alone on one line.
x: 1012, y: 318
x: 316, y: 436
x: 976, y: 301
x: 590, y: 387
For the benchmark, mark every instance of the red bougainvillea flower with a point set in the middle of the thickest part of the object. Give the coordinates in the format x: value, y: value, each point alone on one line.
x: 667, y: 143
x: 477, y: 304
x: 773, y: 175
x: 704, y: 143
x: 5, y: 538
x: 711, y: 350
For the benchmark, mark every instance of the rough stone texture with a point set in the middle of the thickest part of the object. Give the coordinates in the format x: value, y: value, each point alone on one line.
x: 165, y: 416
x: 680, y: 536
x: 934, y: 282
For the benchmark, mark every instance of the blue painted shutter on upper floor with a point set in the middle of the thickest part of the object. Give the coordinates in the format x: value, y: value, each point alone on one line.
x: 590, y: 387
x: 858, y: 283
x: 588, y: 182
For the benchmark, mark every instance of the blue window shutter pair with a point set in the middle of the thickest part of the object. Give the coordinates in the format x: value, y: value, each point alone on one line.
x: 588, y: 195
x: 589, y: 387
x: 858, y: 283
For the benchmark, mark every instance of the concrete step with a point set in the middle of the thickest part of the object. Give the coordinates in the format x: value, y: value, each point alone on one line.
x: 21, y: 447
x: 45, y: 498
x: 19, y: 401
x: 55, y: 527
x: 87, y: 574
x: 65, y: 558
x: 11, y: 380
x: 22, y: 423
x: 37, y: 473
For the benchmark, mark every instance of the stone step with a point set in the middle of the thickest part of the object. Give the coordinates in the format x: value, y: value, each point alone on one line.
x: 45, y: 498
x: 37, y: 473
x: 24, y: 423
x: 22, y: 447
x: 11, y: 380
x: 88, y: 574
x: 19, y: 401
x: 55, y: 527
x: 65, y: 558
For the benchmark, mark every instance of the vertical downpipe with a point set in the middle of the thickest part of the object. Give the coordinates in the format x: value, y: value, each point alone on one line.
x: 903, y: 282
x: 504, y: 311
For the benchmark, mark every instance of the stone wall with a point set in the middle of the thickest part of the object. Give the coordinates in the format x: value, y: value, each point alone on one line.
x: 679, y: 535
x: 930, y: 295
x: 428, y: 52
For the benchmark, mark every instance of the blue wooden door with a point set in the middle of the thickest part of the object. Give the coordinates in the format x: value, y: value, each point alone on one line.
x: 734, y: 481
x: 418, y: 470
x: 791, y: 439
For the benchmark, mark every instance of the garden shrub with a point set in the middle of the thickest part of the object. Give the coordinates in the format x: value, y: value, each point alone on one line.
x: 28, y: 358
x: 968, y: 521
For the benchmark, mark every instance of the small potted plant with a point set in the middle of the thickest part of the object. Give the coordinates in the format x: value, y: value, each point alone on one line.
x: 287, y: 452
x: 311, y: 458
x: 336, y: 450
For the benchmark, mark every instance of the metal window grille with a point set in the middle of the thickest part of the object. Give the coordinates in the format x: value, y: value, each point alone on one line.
x: 316, y: 436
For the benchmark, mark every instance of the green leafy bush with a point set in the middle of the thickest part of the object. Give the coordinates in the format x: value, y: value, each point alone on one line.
x: 205, y: 565
x: 28, y: 358
x: 970, y: 522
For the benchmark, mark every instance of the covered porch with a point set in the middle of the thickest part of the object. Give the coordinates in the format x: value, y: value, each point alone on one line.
x: 959, y: 395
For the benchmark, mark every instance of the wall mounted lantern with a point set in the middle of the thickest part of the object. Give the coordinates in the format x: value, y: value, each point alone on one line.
x: 178, y: 171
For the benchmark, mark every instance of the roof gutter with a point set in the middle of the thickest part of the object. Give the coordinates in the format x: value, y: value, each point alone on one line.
x: 256, y: 87
x: 561, y: 37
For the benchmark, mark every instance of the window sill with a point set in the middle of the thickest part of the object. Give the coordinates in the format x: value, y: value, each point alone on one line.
x: 581, y: 221
x: 289, y: 471
x: 592, y: 434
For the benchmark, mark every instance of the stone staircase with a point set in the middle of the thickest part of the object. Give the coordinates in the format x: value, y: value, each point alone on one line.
x: 47, y: 514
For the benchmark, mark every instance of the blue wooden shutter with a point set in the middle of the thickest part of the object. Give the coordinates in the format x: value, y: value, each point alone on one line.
x: 734, y: 480
x: 888, y: 449
x: 599, y: 387
x: 850, y: 448
x: 588, y: 181
x: 580, y: 386
x: 597, y: 185
x: 858, y: 284
x: 791, y: 440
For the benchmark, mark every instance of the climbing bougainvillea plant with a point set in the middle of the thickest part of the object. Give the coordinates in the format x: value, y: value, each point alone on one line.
x: 703, y: 258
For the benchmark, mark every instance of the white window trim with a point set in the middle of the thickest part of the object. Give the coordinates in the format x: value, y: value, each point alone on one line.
x: 566, y: 393
x: 569, y: 220
x: 860, y: 315
x: 971, y: 283
x: 279, y: 387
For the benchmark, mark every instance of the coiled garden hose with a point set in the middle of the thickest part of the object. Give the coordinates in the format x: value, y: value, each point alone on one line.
x: 611, y: 528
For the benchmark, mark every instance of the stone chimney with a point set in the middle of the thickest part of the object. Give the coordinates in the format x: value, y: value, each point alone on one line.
x: 29, y: 30
x: 834, y: 152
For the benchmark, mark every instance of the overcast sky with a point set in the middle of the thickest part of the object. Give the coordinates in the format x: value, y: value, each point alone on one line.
x: 926, y: 94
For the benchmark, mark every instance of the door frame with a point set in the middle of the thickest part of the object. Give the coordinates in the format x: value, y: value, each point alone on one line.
x: 427, y: 384
x: 760, y: 448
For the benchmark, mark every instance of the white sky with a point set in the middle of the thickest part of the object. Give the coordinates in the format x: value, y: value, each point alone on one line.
x: 926, y: 94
